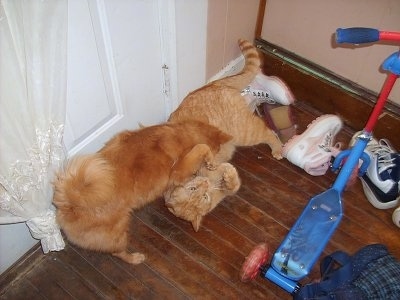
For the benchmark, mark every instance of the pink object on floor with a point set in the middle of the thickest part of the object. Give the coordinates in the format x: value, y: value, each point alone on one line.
x: 313, y: 149
x: 254, y: 261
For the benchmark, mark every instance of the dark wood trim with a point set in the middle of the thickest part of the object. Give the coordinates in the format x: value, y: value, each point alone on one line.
x: 328, y: 92
x: 260, y: 18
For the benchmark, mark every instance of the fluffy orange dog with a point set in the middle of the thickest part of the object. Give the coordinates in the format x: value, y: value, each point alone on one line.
x: 96, y: 193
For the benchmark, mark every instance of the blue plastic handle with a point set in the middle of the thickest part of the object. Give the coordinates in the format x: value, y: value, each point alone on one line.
x: 340, y: 158
x: 357, y: 35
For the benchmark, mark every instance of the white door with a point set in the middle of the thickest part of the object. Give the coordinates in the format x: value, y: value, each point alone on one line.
x: 117, y: 63
x: 118, y: 52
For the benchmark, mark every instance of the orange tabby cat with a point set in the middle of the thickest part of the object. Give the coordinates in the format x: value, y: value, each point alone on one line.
x: 221, y: 104
x: 96, y: 193
x: 196, y: 197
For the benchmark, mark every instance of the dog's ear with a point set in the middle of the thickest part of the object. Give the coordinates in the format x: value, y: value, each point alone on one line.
x: 197, y: 222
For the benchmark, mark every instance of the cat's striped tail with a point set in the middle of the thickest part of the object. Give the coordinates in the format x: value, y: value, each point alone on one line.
x: 250, y: 70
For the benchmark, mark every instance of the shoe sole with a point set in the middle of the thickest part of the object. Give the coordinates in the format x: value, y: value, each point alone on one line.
x: 368, y: 192
x: 286, y: 99
x: 396, y: 217
x: 289, y: 97
x: 313, y: 129
x: 280, y: 119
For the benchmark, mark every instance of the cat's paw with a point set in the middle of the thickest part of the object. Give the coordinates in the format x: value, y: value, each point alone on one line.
x: 277, y: 154
x: 209, y: 162
x: 131, y: 258
x: 137, y: 258
x: 210, y: 165
x: 276, y: 148
x: 208, y: 157
x: 231, y: 178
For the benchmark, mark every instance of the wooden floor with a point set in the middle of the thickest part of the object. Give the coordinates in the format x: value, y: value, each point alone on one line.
x: 182, y: 264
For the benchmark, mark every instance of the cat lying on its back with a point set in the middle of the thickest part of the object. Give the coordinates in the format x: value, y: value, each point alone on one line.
x: 193, y: 199
x: 221, y: 104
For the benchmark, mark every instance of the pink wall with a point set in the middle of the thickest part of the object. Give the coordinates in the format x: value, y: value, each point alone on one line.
x: 305, y: 27
x: 228, y: 20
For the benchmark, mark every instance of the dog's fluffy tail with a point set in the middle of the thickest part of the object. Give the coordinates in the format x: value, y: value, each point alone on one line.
x: 87, y: 182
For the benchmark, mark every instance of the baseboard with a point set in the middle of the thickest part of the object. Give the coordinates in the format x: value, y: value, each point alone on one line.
x: 232, y: 68
x: 328, y: 92
x: 21, y: 267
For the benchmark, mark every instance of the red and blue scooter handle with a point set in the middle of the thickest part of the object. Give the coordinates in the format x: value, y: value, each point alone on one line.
x: 361, y: 35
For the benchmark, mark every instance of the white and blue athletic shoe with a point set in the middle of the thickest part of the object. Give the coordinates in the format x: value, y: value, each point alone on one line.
x: 381, y: 181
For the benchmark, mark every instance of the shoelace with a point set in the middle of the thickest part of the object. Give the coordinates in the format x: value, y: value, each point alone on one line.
x: 323, y: 166
x: 259, y: 97
x: 327, y: 145
x: 383, y: 151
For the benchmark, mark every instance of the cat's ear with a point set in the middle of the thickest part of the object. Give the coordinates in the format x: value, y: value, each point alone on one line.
x: 224, y: 137
x: 171, y: 209
x: 196, y: 222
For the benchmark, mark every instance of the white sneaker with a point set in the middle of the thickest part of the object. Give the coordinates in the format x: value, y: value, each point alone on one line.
x: 313, y: 149
x: 267, y: 89
x: 381, y: 181
x: 276, y: 98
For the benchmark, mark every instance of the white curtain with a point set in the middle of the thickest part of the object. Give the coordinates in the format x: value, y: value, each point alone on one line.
x: 33, y: 76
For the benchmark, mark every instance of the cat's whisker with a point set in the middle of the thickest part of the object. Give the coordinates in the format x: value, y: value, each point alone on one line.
x: 220, y: 188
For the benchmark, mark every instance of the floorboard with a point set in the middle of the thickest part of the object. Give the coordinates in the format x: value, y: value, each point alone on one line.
x: 183, y: 264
